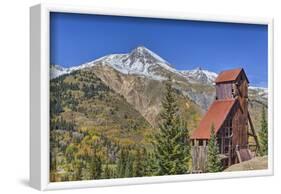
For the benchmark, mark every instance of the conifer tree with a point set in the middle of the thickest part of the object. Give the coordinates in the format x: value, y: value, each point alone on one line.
x: 129, y: 171
x: 213, y: 163
x: 139, y: 164
x: 121, y: 163
x: 171, y: 146
x: 263, y: 134
x: 150, y: 165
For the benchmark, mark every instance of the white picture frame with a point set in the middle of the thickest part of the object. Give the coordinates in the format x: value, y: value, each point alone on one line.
x: 39, y: 101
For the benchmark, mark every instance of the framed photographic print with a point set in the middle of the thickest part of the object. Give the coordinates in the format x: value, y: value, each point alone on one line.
x: 134, y: 97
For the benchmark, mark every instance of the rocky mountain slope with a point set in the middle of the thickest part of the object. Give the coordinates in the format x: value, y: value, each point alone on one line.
x: 146, y: 94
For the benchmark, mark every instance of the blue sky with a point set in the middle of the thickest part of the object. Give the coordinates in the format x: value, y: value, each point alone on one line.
x: 79, y: 38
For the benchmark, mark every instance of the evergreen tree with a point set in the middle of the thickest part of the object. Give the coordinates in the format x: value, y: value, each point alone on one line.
x: 125, y: 164
x: 263, y: 134
x: 151, y: 165
x: 213, y: 163
x: 121, y: 164
x: 129, y: 166
x: 171, y: 144
x: 139, y: 168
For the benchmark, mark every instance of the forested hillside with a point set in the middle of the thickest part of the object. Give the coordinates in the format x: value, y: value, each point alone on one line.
x: 90, y: 124
x: 96, y: 133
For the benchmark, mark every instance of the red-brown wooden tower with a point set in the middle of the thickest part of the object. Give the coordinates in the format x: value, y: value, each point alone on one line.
x: 230, y: 116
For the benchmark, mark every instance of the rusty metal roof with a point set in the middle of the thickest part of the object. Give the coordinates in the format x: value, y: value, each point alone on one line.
x: 216, y: 115
x: 229, y: 75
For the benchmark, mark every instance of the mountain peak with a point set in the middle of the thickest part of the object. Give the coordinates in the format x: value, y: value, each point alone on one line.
x: 148, y: 55
x: 141, y: 49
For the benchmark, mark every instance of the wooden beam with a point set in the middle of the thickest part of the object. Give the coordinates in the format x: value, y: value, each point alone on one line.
x: 250, y: 134
x: 204, y: 143
x: 238, y: 156
x: 253, y: 132
x: 237, y: 87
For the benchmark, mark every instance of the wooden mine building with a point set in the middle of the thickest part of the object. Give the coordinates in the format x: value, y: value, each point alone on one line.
x: 230, y: 117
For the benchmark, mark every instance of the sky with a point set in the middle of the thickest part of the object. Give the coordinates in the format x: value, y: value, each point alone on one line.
x: 79, y: 38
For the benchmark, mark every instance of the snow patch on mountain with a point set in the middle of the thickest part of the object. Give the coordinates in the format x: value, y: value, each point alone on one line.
x: 199, y: 75
x: 56, y: 71
x: 261, y: 91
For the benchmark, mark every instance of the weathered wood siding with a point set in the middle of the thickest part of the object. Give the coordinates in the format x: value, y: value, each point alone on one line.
x: 199, y: 158
x: 241, y: 122
x: 239, y: 128
x: 233, y: 134
x: 242, y: 88
x: 224, y: 91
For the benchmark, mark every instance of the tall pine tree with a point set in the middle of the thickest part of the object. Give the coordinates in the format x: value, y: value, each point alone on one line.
x: 129, y: 171
x: 263, y: 134
x: 150, y: 164
x: 121, y: 163
x: 171, y: 145
x: 139, y: 163
x: 213, y: 163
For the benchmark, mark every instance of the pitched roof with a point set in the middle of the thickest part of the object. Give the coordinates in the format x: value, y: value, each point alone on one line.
x: 216, y: 115
x: 230, y: 75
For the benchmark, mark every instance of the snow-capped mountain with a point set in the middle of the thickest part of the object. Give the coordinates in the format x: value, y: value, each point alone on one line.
x: 199, y: 75
x: 140, y: 61
x: 143, y: 62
